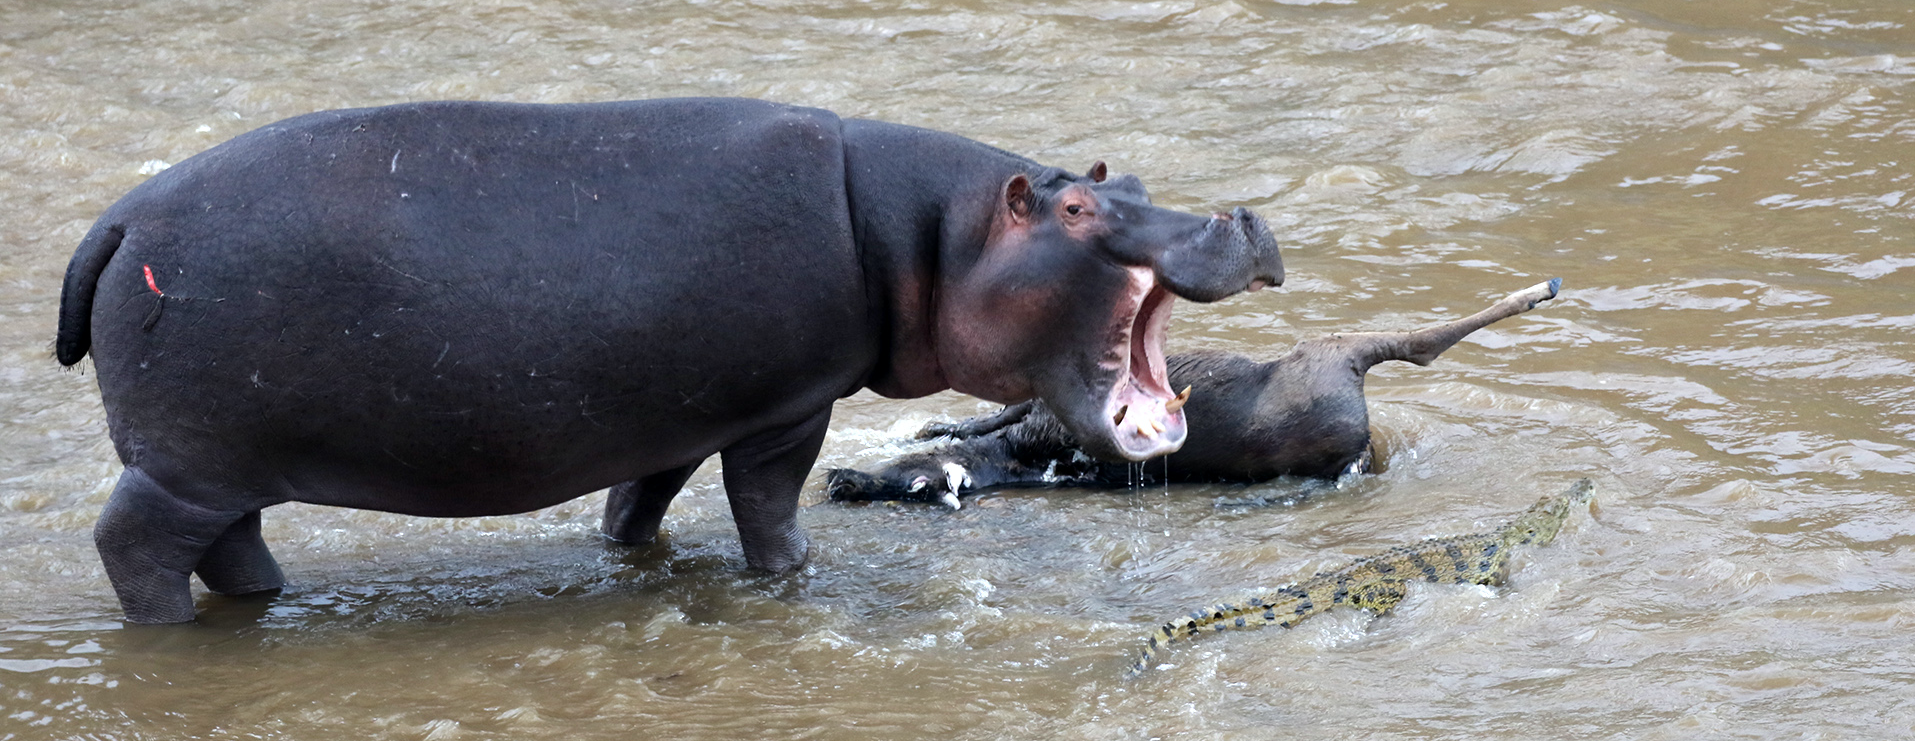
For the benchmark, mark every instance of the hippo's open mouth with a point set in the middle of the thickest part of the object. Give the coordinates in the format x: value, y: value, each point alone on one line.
x: 1146, y: 417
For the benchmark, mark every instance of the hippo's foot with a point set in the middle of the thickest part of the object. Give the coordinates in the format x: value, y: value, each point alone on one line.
x: 635, y: 509
x: 150, y: 541
x: 781, y: 555
x: 239, y: 563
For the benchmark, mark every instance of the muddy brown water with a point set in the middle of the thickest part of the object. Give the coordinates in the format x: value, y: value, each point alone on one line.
x: 1725, y: 188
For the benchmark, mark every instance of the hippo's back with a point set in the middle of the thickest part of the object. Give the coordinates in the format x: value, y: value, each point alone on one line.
x: 439, y: 294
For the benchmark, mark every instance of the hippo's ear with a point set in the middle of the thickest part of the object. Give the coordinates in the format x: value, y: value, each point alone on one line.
x: 1097, y: 172
x: 1018, y: 197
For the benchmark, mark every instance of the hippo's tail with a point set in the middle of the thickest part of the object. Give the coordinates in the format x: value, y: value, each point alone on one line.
x: 75, y: 335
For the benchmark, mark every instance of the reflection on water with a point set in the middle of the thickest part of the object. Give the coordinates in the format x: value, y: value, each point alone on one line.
x: 1723, y: 186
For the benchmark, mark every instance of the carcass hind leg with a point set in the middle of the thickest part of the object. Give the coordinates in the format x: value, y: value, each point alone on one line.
x: 1422, y: 346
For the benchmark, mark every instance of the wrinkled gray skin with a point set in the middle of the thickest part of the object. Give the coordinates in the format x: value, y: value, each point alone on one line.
x: 460, y: 309
x: 1302, y: 415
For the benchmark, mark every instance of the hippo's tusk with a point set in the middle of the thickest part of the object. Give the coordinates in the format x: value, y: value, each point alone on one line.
x: 1143, y: 428
x: 1119, y: 418
x: 1178, y: 403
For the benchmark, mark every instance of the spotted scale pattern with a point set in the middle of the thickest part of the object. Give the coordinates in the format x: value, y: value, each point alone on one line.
x: 1377, y: 583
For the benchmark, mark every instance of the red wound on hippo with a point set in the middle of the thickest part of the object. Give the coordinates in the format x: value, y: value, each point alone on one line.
x: 159, y: 301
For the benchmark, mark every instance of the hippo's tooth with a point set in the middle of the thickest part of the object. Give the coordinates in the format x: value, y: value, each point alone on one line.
x: 950, y: 499
x: 1143, y: 428
x: 1119, y: 418
x: 919, y: 483
x: 1170, y: 407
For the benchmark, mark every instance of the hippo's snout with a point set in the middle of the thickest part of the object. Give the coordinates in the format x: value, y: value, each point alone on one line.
x: 1230, y: 253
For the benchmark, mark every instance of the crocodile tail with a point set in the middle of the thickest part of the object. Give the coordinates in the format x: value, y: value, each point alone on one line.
x: 75, y: 335
x: 1290, y: 607
x: 1160, y: 638
x: 1170, y: 632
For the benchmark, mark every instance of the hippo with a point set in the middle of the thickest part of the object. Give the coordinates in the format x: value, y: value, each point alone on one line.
x: 455, y: 309
x: 1300, y: 415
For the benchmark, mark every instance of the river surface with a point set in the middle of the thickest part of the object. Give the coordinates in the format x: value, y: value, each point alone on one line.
x: 1725, y: 188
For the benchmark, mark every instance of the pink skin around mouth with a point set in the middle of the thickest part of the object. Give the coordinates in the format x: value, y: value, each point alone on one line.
x: 1145, y: 429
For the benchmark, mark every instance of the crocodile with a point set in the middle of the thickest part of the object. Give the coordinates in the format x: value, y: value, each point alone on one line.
x: 1377, y: 583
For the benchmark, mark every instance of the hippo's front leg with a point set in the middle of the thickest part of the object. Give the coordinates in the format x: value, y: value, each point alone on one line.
x: 634, y: 509
x: 763, y: 475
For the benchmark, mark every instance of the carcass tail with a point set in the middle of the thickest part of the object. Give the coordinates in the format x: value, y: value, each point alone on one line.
x: 75, y: 335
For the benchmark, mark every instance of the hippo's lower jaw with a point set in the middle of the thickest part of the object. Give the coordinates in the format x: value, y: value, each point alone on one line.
x: 1145, y: 417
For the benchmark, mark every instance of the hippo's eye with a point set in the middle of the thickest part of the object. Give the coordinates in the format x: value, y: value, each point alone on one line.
x: 1073, y: 209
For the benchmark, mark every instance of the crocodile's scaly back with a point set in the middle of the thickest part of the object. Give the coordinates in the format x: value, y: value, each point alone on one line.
x: 1377, y: 583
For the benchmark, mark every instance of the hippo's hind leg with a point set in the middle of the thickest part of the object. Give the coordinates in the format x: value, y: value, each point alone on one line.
x: 238, y: 562
x: 151, y: 540
x: 634, y: 509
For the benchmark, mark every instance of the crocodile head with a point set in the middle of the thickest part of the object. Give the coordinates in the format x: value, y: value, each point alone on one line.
x: 1545, y: 518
